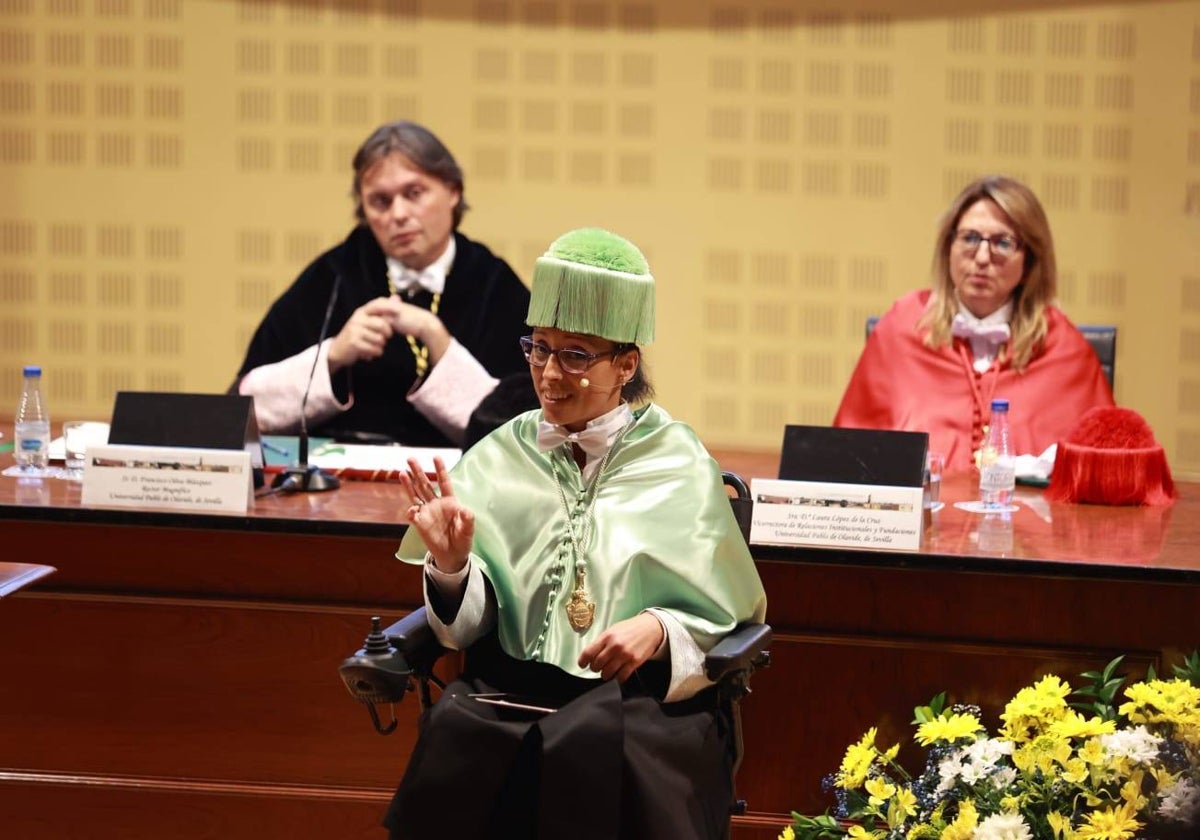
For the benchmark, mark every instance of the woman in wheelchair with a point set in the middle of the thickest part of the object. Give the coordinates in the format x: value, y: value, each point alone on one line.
x: 585, y: 557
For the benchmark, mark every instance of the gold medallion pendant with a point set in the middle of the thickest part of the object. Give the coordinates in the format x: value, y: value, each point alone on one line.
x: 580, y: 611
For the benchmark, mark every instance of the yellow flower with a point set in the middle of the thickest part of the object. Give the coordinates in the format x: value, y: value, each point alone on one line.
x: 1109, y: 824
x: 1060, y: 825
x: 948, y: 729
x: 787, y: 834
x: 1075, y: 725
x: 880, y: 791
x: 905, y: 803
x: 1043, y: 753
x: 1175, y: 702
x: 857, y: 762
x: 963, y: 827
x: 1131, y: 791
x: 922, y: 831
x: 857, y: 832
x: 1075, y: 771
x: 1052, y: 690
x: 1093, y: 752
x: 1033, y: 709
x: 901, y: 807
x: 1164, y: 779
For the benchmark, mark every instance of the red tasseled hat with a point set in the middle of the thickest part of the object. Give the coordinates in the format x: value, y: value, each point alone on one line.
x: 1111, y: 458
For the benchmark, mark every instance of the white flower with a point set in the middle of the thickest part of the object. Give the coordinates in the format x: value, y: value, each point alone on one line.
x: 972, y: 773
x: 1135, y: 744
x: 1182, y: 802
x: 1003, y: 827
x: 949, y: 769
x: 988, y: 751
x: 1004, y: 778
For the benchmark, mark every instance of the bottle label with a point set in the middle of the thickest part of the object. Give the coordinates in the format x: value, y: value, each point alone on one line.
x: 31, y: 444
x: 999, y: 475
x: 987, y: 456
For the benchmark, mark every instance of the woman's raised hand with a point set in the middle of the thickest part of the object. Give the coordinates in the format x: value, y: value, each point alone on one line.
x: 444, y: 523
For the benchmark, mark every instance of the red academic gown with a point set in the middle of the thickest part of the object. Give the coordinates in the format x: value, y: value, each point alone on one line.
x: 899, y: 383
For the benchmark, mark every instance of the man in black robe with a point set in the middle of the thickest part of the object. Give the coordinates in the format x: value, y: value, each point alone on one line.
x: 422, y: 322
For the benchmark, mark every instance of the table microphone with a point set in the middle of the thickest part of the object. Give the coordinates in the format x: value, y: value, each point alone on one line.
x: 306, y: 478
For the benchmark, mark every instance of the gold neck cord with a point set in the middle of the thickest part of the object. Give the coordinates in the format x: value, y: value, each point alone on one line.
x: 581, y: 610
x: 420, y: 351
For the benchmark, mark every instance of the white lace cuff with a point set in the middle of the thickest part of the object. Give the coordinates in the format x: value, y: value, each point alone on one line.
x: 687, y: 660
x: 476, y: 614
x: 452, y: 390
x: 278, y: 391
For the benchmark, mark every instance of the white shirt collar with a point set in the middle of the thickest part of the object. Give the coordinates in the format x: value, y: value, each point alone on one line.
x: 1001, y: 316
x: 596, y: 439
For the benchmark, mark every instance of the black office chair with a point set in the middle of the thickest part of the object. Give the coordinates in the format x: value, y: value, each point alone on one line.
x: 1104, y: 341
x: 1102, y: 338
x: 400, y: 658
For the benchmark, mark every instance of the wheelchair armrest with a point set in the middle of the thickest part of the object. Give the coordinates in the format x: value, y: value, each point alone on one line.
x: 743, y: 650
x: 414, y: 638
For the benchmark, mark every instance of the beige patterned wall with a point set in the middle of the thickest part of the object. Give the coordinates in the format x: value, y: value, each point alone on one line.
x: 168, y: 166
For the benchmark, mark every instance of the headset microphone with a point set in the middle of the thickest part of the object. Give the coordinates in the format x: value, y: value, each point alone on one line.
x: 585, y: 383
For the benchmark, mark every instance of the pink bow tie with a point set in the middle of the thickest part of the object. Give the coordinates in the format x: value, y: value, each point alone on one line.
x: 986, y: 339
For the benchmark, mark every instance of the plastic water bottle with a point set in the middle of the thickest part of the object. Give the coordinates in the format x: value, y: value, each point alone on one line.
x: 32, y: 427
x: 997, y: 474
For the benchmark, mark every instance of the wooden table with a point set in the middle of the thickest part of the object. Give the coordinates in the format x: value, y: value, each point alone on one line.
x: 177, y: 677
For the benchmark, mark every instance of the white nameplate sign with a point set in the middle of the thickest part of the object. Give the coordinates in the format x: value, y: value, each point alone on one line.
x: 845, y: 515
x: 178, y: 478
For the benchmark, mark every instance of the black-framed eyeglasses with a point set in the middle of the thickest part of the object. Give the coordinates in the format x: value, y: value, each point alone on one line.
x: 571, y: 361
x: 1001, y: 245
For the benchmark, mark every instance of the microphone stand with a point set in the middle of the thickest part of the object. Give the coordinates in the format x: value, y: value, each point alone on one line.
x: 305, y: 477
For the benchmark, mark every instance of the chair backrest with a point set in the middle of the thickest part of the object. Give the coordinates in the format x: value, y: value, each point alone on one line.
x: 1102, y: 338
x: 742, y: 505
x: 1104, y: 341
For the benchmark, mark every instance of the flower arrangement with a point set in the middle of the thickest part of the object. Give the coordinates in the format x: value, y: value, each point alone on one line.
x: 1055, y: 770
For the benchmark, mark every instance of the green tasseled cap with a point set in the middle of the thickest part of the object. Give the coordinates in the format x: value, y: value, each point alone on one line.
x: 594, y: 282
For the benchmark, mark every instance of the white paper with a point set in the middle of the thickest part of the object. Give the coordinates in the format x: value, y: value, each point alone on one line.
x: 168, y: 477
x: 359, y: 456
x: 826, y: 514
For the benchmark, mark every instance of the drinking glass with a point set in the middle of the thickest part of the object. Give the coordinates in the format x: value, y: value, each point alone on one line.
x: 935, y: 464
x: 75, y: 441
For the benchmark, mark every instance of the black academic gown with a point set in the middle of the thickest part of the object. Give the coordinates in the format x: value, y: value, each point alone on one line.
x: 613, y: 762
x: 483, y: 306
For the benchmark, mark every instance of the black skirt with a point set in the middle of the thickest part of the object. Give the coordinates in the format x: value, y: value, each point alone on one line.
x: 611, y: 762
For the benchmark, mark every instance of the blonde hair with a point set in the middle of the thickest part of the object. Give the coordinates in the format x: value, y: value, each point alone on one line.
x: 1039, y: 282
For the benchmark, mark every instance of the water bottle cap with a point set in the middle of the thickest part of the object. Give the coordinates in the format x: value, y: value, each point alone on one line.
x: 999, y: 405
x: 33, y: 370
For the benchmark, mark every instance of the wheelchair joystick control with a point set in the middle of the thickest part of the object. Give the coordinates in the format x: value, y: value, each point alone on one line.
x: 377, y: 673
x: 376, y: 642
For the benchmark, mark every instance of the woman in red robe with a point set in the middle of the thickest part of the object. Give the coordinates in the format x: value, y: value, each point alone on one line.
x: 987, y: 329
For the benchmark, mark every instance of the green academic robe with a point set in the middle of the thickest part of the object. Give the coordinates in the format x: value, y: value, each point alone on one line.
x: 655, y: 527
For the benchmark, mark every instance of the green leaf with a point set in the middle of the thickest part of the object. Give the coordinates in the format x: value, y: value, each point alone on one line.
x: 824, y: 827
x: 924, y: 714
x: 1190, y: 670
x: 1102, y: 689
